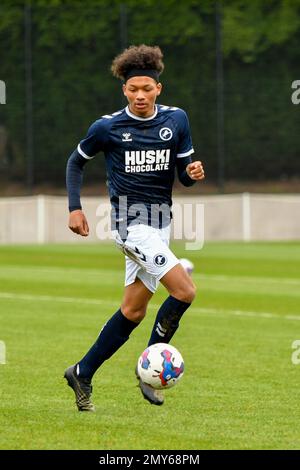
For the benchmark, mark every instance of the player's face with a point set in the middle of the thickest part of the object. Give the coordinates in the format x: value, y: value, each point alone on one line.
x: 141, y: 93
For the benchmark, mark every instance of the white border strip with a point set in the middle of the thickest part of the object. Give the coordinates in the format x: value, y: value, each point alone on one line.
x: 185, y: 154
x: 84, y: 155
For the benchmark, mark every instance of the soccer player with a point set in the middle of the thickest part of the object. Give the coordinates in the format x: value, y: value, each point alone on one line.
x: 143, y: 145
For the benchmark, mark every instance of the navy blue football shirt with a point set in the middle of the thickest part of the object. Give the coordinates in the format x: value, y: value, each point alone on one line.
x: 141, y: 154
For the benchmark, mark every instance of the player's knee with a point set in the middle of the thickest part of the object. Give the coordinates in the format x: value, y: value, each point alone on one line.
x: 190, y: 294
x: 133, y: 314
x: 187, y: 294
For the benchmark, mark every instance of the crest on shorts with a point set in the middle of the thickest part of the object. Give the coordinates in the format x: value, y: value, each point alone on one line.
x: 160, y: 260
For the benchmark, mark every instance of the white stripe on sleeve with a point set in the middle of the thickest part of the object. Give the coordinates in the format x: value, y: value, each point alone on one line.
x: 185, y: 154
x: 84, y: 155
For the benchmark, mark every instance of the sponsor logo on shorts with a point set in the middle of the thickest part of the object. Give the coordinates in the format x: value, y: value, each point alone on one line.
x: 160, y: 260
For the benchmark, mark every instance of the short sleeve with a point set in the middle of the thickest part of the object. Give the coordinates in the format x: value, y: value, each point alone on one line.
x: 94, y: 141
x: 185, y: 145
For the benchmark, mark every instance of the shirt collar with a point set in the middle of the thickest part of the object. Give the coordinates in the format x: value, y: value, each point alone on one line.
x: 139, y: 118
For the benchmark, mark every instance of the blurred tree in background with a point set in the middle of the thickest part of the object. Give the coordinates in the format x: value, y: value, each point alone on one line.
x: 73, y: 43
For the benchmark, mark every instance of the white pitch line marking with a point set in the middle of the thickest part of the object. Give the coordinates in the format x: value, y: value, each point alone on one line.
x: 204, y: 310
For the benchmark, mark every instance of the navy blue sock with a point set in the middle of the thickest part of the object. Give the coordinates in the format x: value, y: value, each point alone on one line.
x: 167, y: 320
x: 112, y: 336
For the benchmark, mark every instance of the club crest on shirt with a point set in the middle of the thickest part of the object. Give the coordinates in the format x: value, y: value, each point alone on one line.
x: 165, y: 133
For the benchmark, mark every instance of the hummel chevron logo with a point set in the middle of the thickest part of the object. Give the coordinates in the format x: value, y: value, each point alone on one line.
x: 142, y: 256
x: 126, y: 137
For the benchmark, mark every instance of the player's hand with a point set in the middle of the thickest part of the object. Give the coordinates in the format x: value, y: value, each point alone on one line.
x: 78, y: 223
x: 195, y: 171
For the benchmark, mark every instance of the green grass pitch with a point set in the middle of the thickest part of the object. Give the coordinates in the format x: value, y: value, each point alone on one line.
x: 240, y: 389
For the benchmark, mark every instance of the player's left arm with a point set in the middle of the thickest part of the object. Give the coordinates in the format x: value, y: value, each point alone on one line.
x: 189, y: 172
x: 195, y: 170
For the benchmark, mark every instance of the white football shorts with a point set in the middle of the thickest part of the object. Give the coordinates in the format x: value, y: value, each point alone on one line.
x: 147, y: 254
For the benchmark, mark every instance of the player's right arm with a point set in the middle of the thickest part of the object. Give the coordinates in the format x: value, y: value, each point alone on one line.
x: 93, y: 143
x: 77, y: 220
x: 78, y: 223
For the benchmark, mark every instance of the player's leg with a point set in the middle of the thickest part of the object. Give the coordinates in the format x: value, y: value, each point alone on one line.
x: 182, y: 293
x: 149, y: 248
x: 161, y: 264
x: 112, y: 336
x: 135, y: 300
x: 179, y: 284
x: 134, y: 305
x: 117, y: 329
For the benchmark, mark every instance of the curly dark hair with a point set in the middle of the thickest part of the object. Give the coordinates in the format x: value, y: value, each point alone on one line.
x: 137, y: 57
